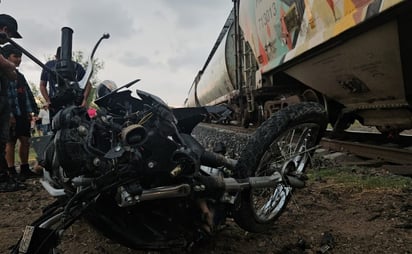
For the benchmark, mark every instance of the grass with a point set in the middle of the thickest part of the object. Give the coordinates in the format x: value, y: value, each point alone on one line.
x: 365, y: 178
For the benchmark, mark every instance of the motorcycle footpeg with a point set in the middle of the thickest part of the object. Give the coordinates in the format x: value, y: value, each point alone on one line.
x: 36, y: 240
x: 295, y: 181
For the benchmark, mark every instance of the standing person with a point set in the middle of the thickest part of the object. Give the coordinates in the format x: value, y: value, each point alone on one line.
x: 8, y: 29
x: 23, y: 104
x: 47, y: 79
x: 44, y: 116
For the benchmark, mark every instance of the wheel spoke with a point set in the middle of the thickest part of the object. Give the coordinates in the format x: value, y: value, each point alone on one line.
x: 283, y: 145
x: 289, y: 153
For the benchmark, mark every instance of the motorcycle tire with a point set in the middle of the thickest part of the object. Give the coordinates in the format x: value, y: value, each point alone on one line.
x: 284, y: 143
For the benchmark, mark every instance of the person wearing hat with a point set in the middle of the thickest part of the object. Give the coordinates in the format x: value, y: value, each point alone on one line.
x: 8, y: 29
x: 23, y: 104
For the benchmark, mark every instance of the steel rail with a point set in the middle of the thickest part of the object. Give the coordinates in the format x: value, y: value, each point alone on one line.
x: 377, y: 152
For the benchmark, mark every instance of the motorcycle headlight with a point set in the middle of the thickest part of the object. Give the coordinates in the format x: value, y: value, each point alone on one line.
x: 134, y: 134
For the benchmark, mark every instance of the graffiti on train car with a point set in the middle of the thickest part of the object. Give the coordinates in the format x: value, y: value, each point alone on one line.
x: 350, y: 55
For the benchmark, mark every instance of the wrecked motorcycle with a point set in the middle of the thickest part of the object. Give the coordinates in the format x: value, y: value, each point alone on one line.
x: 138, y: 176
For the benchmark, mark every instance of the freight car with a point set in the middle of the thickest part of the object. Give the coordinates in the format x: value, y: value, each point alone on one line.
x: 353, y: 56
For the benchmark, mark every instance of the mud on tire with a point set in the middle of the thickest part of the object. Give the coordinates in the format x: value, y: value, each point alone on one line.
x: 284, y: 143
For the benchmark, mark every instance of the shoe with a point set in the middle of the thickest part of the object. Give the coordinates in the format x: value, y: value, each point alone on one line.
x: 9, y: 184
x: 27, y: 173
x: 11, y: 171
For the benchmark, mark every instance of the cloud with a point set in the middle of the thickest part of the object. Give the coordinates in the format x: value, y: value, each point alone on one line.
x: 136, y: 61
x: 188, y: 12
x: 164, y: 42
x: 185, y: 58
x: 91, y: 20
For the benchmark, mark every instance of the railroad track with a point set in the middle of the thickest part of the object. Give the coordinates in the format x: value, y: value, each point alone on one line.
x: 396, y: 153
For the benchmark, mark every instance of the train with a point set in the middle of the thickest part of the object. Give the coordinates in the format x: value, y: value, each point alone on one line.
x: 352, y: 56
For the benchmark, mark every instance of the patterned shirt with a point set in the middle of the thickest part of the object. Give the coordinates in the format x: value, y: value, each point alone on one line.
x: 21, y: 99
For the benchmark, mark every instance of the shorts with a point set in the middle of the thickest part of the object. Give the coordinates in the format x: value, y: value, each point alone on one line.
x: 21, y: 129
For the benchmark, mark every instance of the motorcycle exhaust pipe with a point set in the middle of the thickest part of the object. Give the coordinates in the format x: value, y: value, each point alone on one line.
x: 257, y: 182
x: 125, y: 199
x: 182, y: 190
x: 260, y: 182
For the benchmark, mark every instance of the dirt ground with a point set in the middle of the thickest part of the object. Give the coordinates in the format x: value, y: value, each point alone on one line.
x: 324, y: 217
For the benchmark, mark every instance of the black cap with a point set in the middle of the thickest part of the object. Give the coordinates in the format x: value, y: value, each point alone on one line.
x: 9, y: 49
x: 11, y: 23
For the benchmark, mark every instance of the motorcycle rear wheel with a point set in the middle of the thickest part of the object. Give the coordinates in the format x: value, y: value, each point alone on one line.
x: 284, y: 143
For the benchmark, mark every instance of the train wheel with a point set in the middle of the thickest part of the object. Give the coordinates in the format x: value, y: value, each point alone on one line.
x: 284, y: 143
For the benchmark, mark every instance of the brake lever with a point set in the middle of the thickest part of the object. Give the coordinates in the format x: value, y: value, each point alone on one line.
x: 89, y: 71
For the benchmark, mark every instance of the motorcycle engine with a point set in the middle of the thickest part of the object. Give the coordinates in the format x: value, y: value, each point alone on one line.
x: 72, y: 127
x: 146, y: 147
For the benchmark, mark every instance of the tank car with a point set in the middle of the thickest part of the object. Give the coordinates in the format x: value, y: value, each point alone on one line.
x: 352, y: 56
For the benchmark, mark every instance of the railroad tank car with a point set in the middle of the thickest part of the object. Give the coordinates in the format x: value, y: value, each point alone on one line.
x: 215, y: 83
x: 353, y: 56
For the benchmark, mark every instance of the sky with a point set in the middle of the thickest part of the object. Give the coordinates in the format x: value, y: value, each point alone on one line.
x: 162, y: 42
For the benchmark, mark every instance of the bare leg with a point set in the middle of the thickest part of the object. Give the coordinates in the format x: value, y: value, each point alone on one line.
x: 24, y: 150
x: 10, y: 148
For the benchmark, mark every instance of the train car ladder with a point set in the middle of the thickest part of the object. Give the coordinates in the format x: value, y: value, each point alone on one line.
x: 249, y: 69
